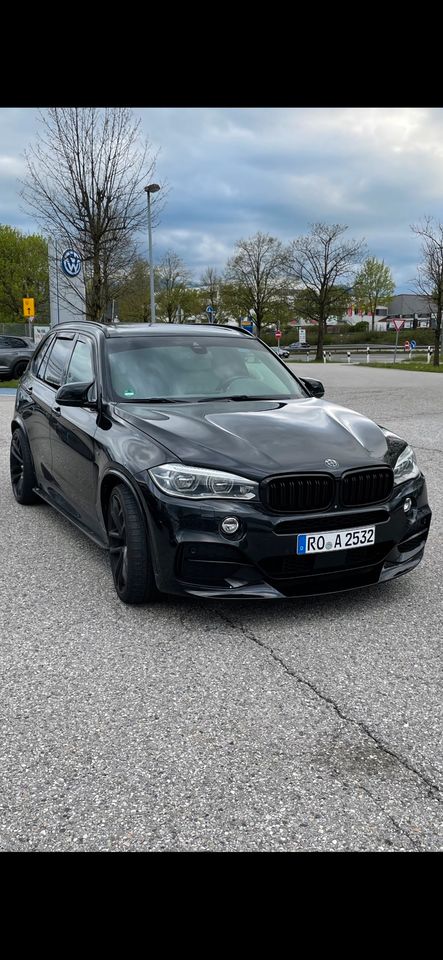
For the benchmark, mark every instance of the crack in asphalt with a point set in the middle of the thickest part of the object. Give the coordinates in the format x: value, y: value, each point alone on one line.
x: 433, y: 788
x: 428, y: 449
x: 389, y: 816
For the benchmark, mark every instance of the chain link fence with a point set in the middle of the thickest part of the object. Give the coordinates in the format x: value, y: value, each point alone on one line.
x: 16, y: 329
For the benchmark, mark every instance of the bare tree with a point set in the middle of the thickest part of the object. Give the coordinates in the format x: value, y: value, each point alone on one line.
x: 259, y: 272
x: 173, y: 279
x: 84, y: 184
x: 210, y: 284
x: 429, y: 280
x: 322, y: 263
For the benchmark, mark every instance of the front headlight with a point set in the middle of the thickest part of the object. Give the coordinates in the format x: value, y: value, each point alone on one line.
x: 406, y: 466
x: 197, y: 483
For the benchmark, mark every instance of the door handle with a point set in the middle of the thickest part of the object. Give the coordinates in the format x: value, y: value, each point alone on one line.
x: 57, y: 411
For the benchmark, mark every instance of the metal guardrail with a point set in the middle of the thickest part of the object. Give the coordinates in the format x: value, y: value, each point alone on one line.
x: 373, y: 348
x: 346, y: 351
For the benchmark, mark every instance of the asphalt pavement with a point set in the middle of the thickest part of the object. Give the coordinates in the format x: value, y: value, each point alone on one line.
x: 304, y: 725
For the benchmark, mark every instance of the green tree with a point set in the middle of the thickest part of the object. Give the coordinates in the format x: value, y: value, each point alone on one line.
x: 233, y: 302
x: 259, y: 272
x: 23, y: 273
x: 373, y: 286
x: 322, y: 264
x: 429, y: 280
x: 132, y: 295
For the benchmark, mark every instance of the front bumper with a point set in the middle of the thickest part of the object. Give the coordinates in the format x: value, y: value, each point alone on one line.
x: 192, y: 556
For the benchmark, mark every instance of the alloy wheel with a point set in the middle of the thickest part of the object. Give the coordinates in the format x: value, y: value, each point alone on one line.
x: 118, y: 546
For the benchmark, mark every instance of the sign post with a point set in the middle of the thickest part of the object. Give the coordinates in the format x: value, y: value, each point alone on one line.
x: 398, y: 324
x: 210, y: 311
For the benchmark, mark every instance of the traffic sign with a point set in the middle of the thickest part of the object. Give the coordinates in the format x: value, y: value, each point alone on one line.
x: 210, y: 309
x: 413, y: 344
x: 407, y: 346
x: 398, y: 324
x: 28, y: 307
x: 277, y: 334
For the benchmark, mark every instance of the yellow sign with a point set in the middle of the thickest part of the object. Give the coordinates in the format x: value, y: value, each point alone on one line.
x: 28, y: 307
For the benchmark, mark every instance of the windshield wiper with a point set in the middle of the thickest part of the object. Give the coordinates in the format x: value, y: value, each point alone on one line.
x: 153, y: 400
x: 241, y: 396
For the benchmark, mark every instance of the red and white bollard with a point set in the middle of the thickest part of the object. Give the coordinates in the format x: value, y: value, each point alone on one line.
x: 368, y: 350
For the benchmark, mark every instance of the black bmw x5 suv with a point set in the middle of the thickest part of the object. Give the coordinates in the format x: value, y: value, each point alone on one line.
x: 207, y: 468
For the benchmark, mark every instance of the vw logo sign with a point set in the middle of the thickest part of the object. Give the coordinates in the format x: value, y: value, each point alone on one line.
x: 71, y: 263
x: 333, y: 464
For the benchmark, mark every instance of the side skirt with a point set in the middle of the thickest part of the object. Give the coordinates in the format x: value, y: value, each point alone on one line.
x: 76, y: 523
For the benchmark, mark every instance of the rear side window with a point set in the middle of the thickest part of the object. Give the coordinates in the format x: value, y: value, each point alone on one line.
x: 57, y: 362
x: 38, y: 364
x: 40, y: 355
x: 81, y: 367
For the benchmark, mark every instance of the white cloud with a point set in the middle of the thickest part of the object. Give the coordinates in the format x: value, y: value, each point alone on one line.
x: 232, y: 172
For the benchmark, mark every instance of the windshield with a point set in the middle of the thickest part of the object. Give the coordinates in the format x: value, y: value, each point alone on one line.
x: 195, y: 368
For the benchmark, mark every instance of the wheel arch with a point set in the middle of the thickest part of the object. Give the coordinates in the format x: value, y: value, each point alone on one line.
x: 111, y: 479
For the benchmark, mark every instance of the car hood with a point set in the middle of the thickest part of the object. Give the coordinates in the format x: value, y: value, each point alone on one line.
x: 264, y: 437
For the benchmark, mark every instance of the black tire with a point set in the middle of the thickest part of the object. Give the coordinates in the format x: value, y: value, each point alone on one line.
x: 19, y: 369
x: 22, y: 469
x: 129, y: 548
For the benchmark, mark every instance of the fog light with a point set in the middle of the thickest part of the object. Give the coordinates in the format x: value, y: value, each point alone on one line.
x: 230, y: 525
x: 407, y: 505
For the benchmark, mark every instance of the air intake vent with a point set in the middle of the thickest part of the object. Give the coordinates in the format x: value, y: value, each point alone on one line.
x: 298, y: 494
x: 366, y: 486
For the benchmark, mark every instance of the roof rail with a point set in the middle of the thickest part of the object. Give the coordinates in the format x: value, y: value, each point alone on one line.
x: 86, y: 323
x: 227, y: 326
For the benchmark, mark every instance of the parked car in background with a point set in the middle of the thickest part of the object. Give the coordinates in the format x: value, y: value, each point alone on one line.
x: 209, y: 470
x: 15, y: 354
x: 298, y: 346
x: 281, y: 352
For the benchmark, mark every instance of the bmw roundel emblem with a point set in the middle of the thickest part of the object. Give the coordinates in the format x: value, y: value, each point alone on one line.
x: 333, y: 464
x: 71, y: 263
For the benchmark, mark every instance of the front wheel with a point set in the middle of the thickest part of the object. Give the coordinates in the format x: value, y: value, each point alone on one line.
x: 22, y: 469
x: 131, y: 563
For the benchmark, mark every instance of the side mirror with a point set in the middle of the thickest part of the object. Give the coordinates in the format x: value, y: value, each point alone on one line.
x: 314, y: 387
x: 75, y: 395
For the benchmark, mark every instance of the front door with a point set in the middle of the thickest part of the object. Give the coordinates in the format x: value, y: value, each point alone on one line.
x: 72, y: 441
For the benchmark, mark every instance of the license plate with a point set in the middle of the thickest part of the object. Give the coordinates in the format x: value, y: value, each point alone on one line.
x: 335, y: 540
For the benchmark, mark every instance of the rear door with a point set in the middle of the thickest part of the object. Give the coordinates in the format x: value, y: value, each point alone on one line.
x: 36, y: 399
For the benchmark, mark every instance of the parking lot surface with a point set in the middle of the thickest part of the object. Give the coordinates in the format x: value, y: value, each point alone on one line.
x: 310, y: 724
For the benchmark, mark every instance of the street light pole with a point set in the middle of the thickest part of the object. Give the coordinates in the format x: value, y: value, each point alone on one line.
x: 151, y: 188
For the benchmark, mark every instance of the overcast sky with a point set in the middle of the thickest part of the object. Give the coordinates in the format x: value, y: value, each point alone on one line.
x: 233, y: 171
